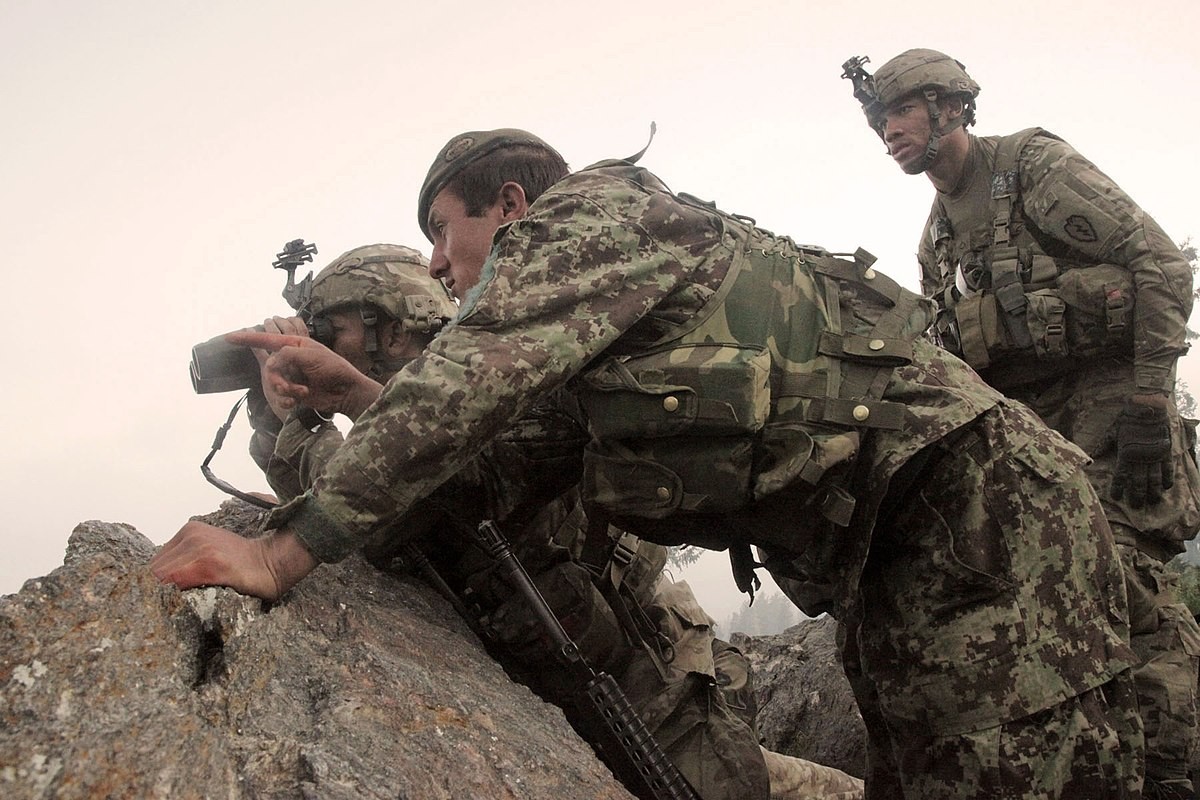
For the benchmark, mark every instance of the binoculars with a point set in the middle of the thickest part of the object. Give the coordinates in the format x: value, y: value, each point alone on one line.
x: 218, y: 366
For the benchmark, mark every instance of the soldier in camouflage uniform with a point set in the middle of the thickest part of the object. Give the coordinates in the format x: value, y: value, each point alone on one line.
x: 1064, y: 294
x: 738, y: 388
x: 382, y: 309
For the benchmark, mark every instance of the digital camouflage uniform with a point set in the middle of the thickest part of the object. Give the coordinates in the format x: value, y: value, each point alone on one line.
x: 739, y: 387
x: 1065, y: 295
x: 377, y: 280
x: 698, y: 701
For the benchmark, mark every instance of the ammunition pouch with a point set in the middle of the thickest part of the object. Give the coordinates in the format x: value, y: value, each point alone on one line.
x: 1082, y: 312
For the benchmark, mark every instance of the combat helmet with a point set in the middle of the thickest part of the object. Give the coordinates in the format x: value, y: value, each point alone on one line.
x: 387, y: 278
x: 930, y: 73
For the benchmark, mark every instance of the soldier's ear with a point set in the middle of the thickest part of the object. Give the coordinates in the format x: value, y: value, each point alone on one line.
x: 512, y: 201
x: 953, y: 106
x: 397, y: 341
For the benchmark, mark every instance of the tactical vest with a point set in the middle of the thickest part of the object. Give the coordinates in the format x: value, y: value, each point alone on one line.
x: 739, y: 403
x: 1002, y: 298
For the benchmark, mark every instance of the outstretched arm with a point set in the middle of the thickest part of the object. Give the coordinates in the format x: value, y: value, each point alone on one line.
x: 204, y: 555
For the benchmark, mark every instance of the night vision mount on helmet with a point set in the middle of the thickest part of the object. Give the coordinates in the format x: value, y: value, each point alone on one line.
x: 931, y: 74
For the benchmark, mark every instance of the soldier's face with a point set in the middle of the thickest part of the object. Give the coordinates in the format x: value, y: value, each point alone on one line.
x: 906, y: 132
x: 461, y: 243
x: 349, y: 338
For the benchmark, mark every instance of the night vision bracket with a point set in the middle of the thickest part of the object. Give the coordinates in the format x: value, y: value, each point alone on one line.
x: 295, y: 253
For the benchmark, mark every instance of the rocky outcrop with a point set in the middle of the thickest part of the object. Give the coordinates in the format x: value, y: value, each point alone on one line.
x: 806, y: 707
x: 359, y: 684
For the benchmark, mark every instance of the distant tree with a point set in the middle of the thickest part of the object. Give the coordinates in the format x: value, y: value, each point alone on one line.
x: 1189, y: 584
x: 1184, y: 399
x: 1189, y: 252
x: 683, y: 556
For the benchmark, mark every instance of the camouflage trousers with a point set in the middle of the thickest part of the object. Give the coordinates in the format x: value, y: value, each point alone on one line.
x: 1166, y: 639
x: 990, y: 654
x: 797, y: 779
x: 1085, y: 747
x: 1083, y: 406
x: 1089, y: 746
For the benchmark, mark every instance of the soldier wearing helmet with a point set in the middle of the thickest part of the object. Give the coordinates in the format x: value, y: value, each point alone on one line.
x: 922, y: 79
x: 1064, y: 294
x: 377, y: 307
x: 388, y: 288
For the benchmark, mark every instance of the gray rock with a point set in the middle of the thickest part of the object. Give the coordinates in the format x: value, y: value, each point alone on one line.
x: 806, y: 706
x: 358, y: 684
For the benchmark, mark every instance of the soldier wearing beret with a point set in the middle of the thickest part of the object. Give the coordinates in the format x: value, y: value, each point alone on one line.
x: 740, y: 389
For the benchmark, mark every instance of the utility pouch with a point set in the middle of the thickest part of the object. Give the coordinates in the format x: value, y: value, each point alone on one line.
x: 1078, y: 312
x: 675, y: 429
x: 1046, y: 318
x: 1099, y: 312
x: 655, y: 478
x: 692, y: 389
x: 981, y: 331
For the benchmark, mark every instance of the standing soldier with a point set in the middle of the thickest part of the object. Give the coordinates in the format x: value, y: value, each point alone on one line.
x: 1064, y: 294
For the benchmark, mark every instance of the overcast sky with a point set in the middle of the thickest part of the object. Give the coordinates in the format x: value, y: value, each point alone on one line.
x: 155, y: 155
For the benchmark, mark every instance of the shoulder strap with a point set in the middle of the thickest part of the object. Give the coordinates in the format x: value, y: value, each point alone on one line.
x: 1006, y: 182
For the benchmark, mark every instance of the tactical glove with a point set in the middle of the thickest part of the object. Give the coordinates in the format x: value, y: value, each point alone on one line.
x: 1144, y: 469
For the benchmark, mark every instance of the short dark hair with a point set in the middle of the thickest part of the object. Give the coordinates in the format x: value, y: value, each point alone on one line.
x: 536, y: 169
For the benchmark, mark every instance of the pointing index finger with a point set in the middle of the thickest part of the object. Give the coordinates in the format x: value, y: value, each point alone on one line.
x: 264, y: 341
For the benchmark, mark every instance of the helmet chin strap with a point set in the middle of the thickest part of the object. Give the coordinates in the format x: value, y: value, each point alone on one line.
x: 382, y: 367
x: 936, y: 132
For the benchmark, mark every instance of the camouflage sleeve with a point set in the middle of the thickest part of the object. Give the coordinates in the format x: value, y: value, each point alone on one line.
x: 1067, y: 198
x: 265, y: 425
x: 299, y: 457
x: 592, y: 257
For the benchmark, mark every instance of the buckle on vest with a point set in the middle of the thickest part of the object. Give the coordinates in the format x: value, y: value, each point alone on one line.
x: 837, y: 506
x: 1116, y: 310
x: 625, y: 549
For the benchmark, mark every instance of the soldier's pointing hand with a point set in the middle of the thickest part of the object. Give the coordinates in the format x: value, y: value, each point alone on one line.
x: 302, y: 371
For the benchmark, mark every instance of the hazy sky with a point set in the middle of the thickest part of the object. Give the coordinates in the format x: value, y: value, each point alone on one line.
x: 155, y: 155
